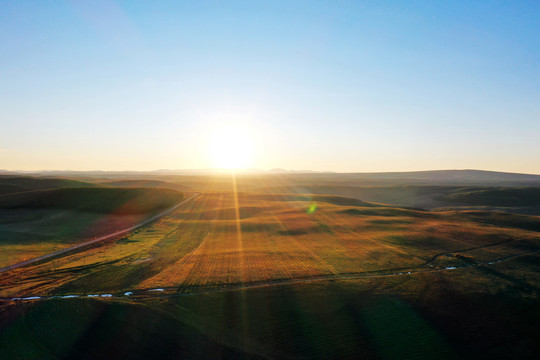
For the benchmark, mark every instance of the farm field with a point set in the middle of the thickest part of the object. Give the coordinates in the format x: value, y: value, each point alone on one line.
x: 212, y: 242
x: 289, y: 275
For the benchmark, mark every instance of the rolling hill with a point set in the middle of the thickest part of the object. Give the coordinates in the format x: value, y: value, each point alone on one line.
x: 94, y: 199
x: 13, y: 184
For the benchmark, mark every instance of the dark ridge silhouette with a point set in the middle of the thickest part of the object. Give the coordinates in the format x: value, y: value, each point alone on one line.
x: 145, y: 183
x: 13, y: 184
x: 95, y: 199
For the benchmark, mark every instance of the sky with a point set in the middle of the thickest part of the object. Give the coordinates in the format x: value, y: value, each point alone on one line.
x: 348, y: 86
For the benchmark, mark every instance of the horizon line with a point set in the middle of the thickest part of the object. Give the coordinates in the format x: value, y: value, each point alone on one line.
x: 2, y: 171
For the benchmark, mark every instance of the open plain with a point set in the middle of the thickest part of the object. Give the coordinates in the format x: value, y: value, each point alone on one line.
x: 285, y: 275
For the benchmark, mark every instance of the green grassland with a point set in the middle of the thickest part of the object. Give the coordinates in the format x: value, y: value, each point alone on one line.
x: 443, y: 197
x: 277, y: 275
x: 35, y: 223
x: 15, y: 184
x: 144, y: 183
x: 94, y: 199
x: 427, y: 316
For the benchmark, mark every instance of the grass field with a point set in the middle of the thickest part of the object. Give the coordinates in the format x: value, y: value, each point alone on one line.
x: 270, y: 275
x: 35, y: 223
x: 94, y: 199
x: 17, y: 184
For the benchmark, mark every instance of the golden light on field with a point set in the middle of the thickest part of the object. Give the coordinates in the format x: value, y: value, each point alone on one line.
x: 231, y: 147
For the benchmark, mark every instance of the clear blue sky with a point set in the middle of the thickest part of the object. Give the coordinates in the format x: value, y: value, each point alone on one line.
x: 322, y: 85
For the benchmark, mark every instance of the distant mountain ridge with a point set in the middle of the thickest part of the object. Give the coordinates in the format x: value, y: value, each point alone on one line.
x: 454, y: 175
x: 442, y: 176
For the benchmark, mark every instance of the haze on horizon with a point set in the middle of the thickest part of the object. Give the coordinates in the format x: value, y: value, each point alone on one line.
x: 347, y: 87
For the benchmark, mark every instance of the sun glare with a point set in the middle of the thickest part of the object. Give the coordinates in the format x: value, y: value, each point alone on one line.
x: 231, y: 147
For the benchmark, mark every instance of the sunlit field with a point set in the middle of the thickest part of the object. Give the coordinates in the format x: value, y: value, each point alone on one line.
x: 248, y: 270
x: 226, y: 238
x: 35, y: 223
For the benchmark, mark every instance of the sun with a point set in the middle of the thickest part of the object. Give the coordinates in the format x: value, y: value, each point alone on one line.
x: 231, y: 147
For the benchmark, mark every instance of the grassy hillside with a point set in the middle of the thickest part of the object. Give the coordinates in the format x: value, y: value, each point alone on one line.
x: 274, y: 280
x: 13, y: 184
x: 145, y: 183
x: 283, y: 276
x: 40, y: 222
x: 494, y: 196
x: 512, y: 199
x: 496, y: 218
x: 94, y: 199
x: 332, y: 199
x: 90, y: 329
x: 211, y: 241
x: 413, y: 318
